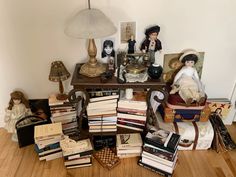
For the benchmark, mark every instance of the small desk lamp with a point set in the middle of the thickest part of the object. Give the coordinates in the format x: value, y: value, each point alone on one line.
x: 89, y: 24
x: 59, y: 73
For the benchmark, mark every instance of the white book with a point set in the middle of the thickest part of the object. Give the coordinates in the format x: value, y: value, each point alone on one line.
x: 97, y: 112
x: 157, y: 165
x: 47, y: 130
x: 109, y: 97
x: 51, y: 156
x: 78, y: 161
x: 158, y: 159
x: 103, y: 130
x: 126, y: 151
x: 79, y: 147
x: 128, y: 155
x: 102, y: 106
x: 129, y: 140
x: 79, y: 166
x: 105, y: 102
x: 129, y: 127
x: 130, y: 116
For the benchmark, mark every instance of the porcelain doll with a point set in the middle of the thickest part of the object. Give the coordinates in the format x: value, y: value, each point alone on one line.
x: 17, y: 109
x: 187, y: 82
x: 151, y: 44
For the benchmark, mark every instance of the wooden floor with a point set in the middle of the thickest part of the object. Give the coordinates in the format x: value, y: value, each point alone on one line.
x: 24, y: 163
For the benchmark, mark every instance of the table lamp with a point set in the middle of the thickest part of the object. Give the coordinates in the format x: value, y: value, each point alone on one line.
x: 89, y: 24
x: 59, y: 73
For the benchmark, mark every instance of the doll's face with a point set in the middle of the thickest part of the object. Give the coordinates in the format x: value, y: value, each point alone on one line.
x: 189, y: 63
x: 108, y: 50
x: 153, y: 36
x: 16, y: 101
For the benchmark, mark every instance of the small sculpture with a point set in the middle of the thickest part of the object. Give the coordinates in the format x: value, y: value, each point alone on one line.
x: 151, y: 44
x: 17, y: 109
x: 187, y: 82
x: 131, y: 44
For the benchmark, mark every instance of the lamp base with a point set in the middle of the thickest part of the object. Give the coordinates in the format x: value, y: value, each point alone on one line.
x: 92, y: 70
x: 62, y: 96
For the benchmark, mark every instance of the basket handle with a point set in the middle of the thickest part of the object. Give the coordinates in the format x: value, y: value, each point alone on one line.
x: 26, y: 117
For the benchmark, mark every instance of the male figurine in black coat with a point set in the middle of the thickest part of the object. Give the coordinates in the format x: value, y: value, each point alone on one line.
x: 151, y: 44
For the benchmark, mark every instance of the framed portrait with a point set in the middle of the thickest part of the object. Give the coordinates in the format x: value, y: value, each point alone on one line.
x: 126, y: 30
x: 171, y: 65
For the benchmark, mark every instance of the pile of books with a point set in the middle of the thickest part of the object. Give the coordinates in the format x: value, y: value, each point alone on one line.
x: 65, y: 112
x: 102, y: 115
x: 131, y: 113
x: 160, y: 151
x: 76, y: 154
x: 47, y: 138
x: 128, y: 145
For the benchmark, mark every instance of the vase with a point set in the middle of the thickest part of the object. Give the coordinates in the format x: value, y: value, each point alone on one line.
x: 155, y: 71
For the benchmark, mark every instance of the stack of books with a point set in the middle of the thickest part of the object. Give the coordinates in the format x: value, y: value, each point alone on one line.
x: 47, y: 138
x: 131, y: 113
x: 102, y: 115
x: 65, y: 112
x: 160, y: 151
x: 76, y: 154
x: 128, y: 145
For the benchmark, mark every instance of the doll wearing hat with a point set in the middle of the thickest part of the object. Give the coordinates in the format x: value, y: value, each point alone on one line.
x: 187, y: 82
x: 151, y: 44
x: 18, y: 108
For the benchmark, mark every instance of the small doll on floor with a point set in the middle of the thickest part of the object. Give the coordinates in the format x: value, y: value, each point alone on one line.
x: 17, y: 109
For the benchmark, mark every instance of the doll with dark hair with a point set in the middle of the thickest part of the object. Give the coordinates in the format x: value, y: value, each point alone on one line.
x: 187, y: 82
x: 151, y: 44
x: 18, y: 108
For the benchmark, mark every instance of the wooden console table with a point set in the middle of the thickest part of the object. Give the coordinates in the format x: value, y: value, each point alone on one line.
x: 80, y: 83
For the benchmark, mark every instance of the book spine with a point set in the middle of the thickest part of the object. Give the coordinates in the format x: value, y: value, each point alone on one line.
x: 158, y: 171
x: 153, y: 143
x: 77, y: 155
x: 159, y: 153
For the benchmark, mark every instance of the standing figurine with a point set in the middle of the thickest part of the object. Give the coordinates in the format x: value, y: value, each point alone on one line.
x: 17, y: 109
x: 131, y: 44
x: 187, y: 82
x: 151, y: 44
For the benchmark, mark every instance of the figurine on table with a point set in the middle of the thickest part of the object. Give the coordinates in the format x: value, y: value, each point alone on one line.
x: 187, y: 82
x: 151, y: 44
x: 18, y: 108
x: 131, y: 44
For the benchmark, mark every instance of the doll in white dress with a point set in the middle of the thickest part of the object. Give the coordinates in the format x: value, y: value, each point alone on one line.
x: 187, y: 82
x: 17, y: 109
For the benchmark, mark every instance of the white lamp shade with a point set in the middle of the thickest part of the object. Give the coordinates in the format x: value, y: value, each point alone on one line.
x: 88, y: 24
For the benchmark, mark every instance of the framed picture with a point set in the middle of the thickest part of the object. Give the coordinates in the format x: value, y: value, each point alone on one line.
x: 108, y: 52
x: 127, y: 29
x: 172, y: 65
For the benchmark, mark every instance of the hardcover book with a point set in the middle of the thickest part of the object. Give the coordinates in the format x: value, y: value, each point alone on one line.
x: 162, y: 139
x: 128, y: 140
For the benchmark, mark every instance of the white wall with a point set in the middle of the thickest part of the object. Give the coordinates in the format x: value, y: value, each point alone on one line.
x: 32, y: 36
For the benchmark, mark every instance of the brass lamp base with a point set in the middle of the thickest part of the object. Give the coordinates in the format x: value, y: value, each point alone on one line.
x: 62, y: 96
x: 92, y: 70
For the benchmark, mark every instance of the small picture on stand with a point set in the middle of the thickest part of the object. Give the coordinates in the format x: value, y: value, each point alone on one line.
x: 108, y: 52
x: 172, y: 65
x: 127, y: 29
